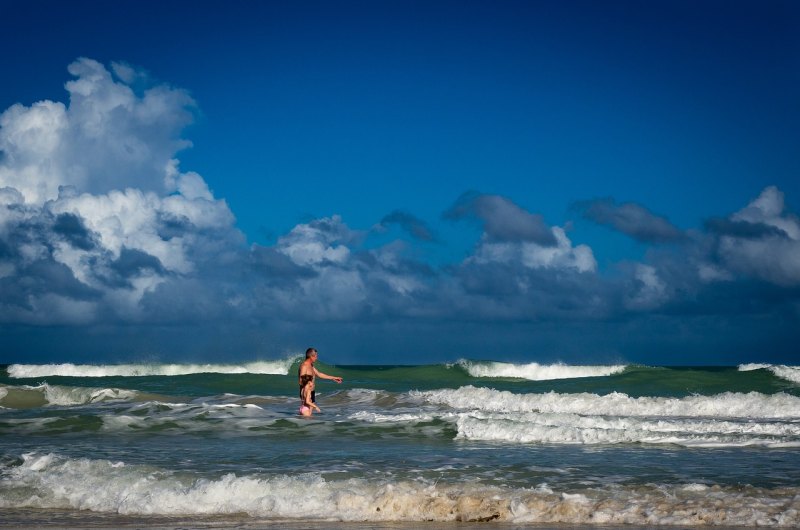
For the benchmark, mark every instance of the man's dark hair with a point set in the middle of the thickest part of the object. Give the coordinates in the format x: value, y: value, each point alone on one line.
x: 309, y: 352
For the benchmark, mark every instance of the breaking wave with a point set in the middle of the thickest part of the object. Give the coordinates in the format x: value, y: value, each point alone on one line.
x: 535, y: 371
x: 53, y: 481
x: 17, y: 397
x: 725, y: 405
x: 23, y: 371
x: 789, y: 373
x: 572, y: 429
x: 724, y: 420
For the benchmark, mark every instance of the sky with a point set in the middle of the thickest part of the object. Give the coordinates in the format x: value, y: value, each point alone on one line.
x: 400, y: 182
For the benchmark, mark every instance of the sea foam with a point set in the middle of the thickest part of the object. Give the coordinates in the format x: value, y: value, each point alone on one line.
x: 535, y: 371
x: 571, y: 429
x: 52, y: 481
x: 20, y: 371
x: 725, y: 405
x: 724, y: 420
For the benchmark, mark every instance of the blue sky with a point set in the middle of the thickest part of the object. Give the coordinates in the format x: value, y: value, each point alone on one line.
x: 400, y: 181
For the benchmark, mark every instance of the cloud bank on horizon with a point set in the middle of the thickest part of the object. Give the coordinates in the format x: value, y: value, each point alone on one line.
x: 100, y: 225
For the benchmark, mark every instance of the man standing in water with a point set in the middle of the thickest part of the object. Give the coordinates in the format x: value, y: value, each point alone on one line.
x: 306, y: 375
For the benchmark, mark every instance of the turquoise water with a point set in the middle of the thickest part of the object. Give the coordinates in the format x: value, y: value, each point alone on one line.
x: 473, y: 440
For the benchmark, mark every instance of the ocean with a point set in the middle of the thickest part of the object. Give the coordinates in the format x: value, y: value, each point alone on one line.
x: 442, y: 446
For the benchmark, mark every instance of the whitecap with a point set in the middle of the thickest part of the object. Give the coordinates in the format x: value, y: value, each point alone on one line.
x: 537, y: 372
x: 20, y: 371
x: 724, y: 405
x: 789, y: 373
x: 52, y: 481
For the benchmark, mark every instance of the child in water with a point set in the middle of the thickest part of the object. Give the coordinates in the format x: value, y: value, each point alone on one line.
x: 306, y: 388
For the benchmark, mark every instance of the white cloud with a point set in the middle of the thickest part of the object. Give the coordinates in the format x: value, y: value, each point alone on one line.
x: 125, y: 72
x: 107, y: 138
x: 30, y: 140
x: 392, y: 270
x: 133, y: 219
x: 318, y: 242
x: 769, y: 208
x: 9, y: 196
x: 105, y: 168
x: 773, y: 256
x: 535, y: 256
x: 127, y: 219
x: 649, y: 291
x: 190, y: 185
x: 347, y: 280
x: 98, y: 223
x: 335, y: 294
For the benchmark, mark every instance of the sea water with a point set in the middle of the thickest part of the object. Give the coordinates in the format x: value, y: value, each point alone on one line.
x: 525, y: 444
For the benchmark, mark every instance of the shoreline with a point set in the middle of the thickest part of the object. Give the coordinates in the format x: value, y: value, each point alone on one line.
x: 20, y: 519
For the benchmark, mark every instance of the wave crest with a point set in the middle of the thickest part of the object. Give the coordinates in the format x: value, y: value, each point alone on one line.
x: 536, y: 371
x: 51, y: 481
x: 19, y: 397
x: 572, y: 429
x: 723, y: 420
x: 789, y: 373
x: 725, y: 405
x: 24, y: 371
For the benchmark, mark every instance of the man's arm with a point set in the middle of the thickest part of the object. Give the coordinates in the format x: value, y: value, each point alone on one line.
x: 326, y: 376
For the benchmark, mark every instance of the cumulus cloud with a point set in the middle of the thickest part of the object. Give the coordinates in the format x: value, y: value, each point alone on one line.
x: 333, y: 277
x: 521, y: 268
x: 95, y: 212
x: 319, y: 242
x: 646, y: 290
x: 107, y: 137
x: 99, y: 224
x: 561, y: 256
x: 513, y: 235
x: 746, y: 262
x: 503, y: 221
x: 760, y: 241
x: 632, y: 219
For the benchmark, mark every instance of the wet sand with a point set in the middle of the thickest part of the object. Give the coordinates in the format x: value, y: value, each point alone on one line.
x: 75, y: 520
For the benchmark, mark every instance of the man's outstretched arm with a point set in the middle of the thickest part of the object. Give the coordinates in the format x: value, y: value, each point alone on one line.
x: 326, y: 376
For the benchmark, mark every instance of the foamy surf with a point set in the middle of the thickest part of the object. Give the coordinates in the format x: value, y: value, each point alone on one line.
x: 23, y: 371
x: 725, y: 420
x: 688, y: 447
x: 568, y: 429
x: 536, y: 371
x: 50, y: 481
x: 725, y: 405
x: 469, y: 413
x: 789, y: 373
